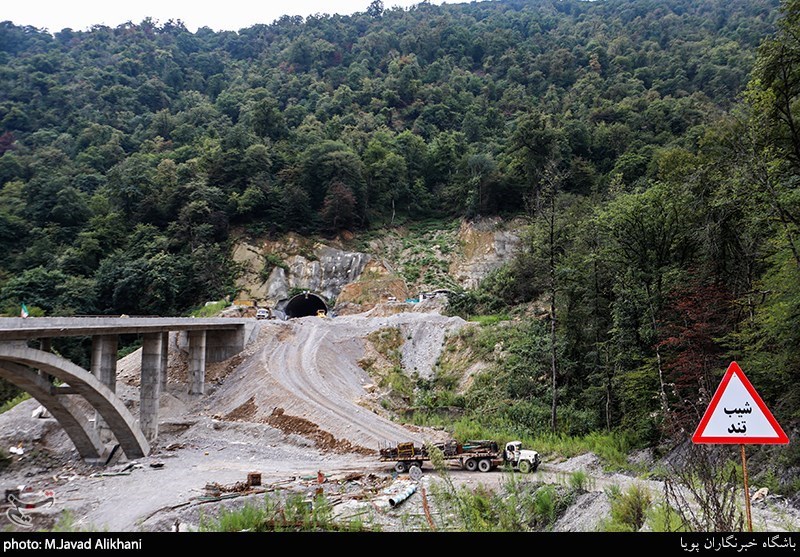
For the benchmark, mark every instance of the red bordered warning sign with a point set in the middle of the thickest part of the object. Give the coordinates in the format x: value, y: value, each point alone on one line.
x: 737, y: 415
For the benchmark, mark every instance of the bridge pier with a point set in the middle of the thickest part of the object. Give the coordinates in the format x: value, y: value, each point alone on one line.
x: 164, y: 359
x: 221, y: 345
x: 208, y: 340
x: 150, y: 386
x: 197, y: 362
x: 104, y: 360
x: 104, y: 367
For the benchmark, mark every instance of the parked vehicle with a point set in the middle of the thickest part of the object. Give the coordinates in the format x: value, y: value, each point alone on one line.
x: 524, y: 460
x: 262, y: 313
x: 482, y: 455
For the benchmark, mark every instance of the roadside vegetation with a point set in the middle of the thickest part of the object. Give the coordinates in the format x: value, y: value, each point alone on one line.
x: 211, y: 309
x: 657, y: 179
x: 292, y: 513
x: 11, y: 403
x: 518, y: 506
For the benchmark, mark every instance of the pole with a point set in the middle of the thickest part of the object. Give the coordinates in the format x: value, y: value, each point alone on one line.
x: 746, y: 490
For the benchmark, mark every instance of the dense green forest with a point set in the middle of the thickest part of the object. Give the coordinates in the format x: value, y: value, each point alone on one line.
x: 653, y: 145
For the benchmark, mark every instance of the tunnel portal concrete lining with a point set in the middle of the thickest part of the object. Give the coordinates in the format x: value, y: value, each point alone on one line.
x: 304, y: 304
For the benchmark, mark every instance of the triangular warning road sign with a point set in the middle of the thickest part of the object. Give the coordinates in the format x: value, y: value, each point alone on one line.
x: 736, y: 414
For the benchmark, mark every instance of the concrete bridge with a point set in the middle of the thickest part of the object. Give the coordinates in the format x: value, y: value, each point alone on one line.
x: 32, y: 369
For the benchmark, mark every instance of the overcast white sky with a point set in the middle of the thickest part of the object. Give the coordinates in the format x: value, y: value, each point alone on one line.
x: 232, y: 15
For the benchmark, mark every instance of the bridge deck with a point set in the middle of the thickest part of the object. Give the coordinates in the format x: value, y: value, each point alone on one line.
x: 18, y: 328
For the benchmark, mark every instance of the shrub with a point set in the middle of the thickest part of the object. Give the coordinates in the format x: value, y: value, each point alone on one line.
x: 579, y: 481
x: 628, y: 509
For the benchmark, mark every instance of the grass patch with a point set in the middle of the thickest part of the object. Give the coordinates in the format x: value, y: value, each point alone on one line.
x: 387, y: 342
x: 399, y: 384
x: 209, y: 310
x: 489, y: 319
x: 9, y: 404
x: 612, y: 448
x: 294, y: 513
x: 580, y: 481
x: 519, y: 506
x: 271, y: 260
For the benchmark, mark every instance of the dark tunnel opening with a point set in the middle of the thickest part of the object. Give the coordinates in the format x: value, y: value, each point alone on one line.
x: 305, y: 304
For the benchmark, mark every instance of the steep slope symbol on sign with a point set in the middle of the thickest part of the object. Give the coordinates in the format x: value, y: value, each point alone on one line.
x: 736, y: 414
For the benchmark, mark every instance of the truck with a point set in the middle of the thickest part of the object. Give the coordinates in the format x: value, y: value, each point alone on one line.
x: 524, y: 460
x: 482, y: 455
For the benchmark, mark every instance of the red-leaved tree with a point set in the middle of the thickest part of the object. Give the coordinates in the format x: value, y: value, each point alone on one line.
x: 6, y: 142
x: 698, y: 314
x: 339, y: 207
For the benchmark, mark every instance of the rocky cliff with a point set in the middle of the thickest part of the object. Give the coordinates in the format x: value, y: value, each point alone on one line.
x: 360, y: 272
x: 274, y: 270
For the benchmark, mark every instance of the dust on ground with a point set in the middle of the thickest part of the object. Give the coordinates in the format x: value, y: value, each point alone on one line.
x: 296, y: 425
x: 291, y: 409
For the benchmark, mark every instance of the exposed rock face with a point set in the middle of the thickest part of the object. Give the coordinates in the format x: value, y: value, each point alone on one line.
x: 486, y: 245
x: 400, y: 264
x: 321, y: 269
x: 327, y: 275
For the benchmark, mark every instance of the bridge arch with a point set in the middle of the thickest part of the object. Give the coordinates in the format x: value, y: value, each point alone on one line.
x: 64, y: 410
x: 14, y: 355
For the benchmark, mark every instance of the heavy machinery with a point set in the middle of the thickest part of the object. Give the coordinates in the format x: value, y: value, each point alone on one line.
x: 480, y: 455
x: 471, y: 455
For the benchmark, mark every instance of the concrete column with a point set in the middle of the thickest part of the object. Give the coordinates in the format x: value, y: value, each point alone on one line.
x: 150, y: 386
x: 164, y: 360
x: 221, y: 345
x: 104, y: 360
x: 104, y: 368
x: 197, y: 362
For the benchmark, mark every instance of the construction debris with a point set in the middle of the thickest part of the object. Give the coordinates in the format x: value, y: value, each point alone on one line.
x: 395, y: 500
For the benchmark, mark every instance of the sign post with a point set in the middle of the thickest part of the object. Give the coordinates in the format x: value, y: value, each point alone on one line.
x: 738, y: 415
x: 746, y: 489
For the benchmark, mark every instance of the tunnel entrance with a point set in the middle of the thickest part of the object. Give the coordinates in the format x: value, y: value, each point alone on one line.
x: 304, y: 304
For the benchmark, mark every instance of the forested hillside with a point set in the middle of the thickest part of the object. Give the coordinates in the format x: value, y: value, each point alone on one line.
x: 653, y: 146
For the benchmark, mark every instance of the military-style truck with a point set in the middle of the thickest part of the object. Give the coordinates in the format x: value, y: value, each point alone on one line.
x: 482, y: 455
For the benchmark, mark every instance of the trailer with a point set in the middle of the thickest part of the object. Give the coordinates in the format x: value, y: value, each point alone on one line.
x: 480, y: 455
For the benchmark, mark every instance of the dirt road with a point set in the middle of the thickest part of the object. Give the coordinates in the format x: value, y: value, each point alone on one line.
x: 295, y: 407
x: 296, y: 404
x: 304, y: 378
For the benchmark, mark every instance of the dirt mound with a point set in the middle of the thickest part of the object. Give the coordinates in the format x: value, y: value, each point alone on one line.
x: 324, y: 440
x: 244, y: 413
x: 585, y: 514
x: 248, y: 412
x: 588, y: 462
